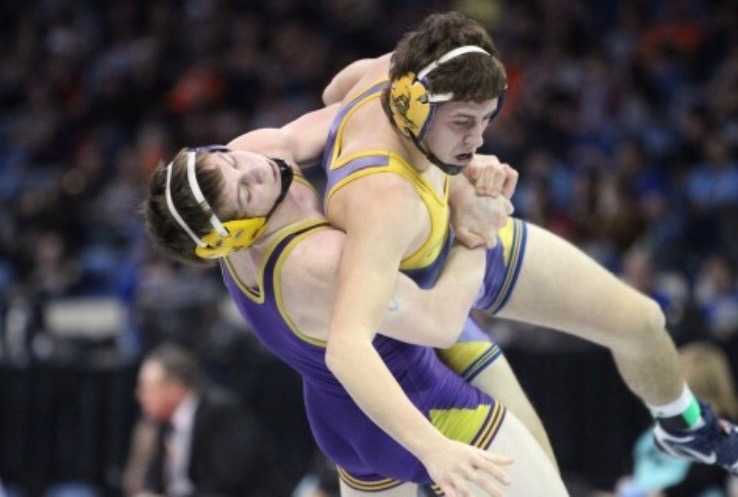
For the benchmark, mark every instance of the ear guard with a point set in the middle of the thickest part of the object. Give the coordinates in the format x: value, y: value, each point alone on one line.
x: 241, y: 233
x: 225, y: 237
x: 410, y: 102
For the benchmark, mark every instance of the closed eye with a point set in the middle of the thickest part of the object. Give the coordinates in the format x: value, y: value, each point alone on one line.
x: 463, y: 124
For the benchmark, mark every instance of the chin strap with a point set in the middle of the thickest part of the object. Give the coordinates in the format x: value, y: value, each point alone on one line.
x: 450, y: 169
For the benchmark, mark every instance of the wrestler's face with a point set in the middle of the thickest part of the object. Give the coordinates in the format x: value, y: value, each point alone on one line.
x: 252, y: 182
x: 457, y: 130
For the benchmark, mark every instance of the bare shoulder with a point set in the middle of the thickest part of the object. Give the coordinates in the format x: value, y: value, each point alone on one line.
x: 374, y: 71
x: 388, y: 197
x: 313, y: 263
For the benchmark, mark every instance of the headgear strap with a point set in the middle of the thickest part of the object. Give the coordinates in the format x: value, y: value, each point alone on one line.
x: 199, y: 197
x: 444, y: 97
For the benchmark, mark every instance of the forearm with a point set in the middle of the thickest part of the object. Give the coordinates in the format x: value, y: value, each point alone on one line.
x: 363, y: 374
x: 456, y: 290
x: 306, y: 135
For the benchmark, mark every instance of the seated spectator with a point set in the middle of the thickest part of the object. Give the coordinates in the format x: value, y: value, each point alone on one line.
x: 204, y: 443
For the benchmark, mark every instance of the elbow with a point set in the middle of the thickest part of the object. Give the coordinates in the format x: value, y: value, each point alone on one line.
x: 338, y: 355
x: 442, y: 333
x: 332, y: 357
x: 329, y: 94
x: 446, y: 338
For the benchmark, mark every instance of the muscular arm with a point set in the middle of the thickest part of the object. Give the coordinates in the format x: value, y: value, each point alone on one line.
x: 301, y: 140
x: 432, y: 317
x: 346, y: 79
x: 435, y: 317
x: 373, y: 248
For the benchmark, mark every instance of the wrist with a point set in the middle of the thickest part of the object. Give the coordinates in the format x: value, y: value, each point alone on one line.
x: 428, y: 445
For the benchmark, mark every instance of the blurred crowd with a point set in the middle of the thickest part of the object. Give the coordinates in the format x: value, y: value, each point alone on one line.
x: 622, y: 118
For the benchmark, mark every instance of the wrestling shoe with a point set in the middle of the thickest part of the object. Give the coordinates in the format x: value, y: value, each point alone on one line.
x: 715, y: 442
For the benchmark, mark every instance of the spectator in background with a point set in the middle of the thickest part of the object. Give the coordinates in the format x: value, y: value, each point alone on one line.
x: 717, y: 297
x: 199, y: 440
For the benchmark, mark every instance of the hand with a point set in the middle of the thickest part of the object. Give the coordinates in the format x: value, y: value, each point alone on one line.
x: 491, y: 177
x: 476, y: 220
x: 454, y: 465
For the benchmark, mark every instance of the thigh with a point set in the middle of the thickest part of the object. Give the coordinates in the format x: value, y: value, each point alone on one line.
x: 404, y: 490
x: 561, y: 287
x: 499, y: 381
x: 531, y: 472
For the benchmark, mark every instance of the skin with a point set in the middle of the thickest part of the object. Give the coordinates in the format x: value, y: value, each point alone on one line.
x: 379, y: 236
x: 601, y: 308
x: 250, y: 184
x: 157, y: 394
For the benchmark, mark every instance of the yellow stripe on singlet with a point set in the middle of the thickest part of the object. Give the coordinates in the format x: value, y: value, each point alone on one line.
x: 511, y: 236
x: 277, y: 281
x: 257, y: 294
x: 367, y: 485
x: 299, y: 178
x: 435, y: 203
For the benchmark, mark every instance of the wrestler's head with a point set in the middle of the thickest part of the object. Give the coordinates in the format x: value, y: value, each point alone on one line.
x: 210, y: 201
x: 447, y: 83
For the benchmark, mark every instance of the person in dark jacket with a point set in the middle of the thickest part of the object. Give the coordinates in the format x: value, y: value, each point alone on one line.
x: 203, y: 443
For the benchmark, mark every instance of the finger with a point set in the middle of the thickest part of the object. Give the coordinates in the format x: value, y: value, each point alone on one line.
x: 493, y: 469
x: 489, y: 487
x: 511, y: 182
x: 489, y: 482
x: 447, y: 489
x: 473, y: 171
x: 509, y: 207
x: 498, y: 180
x: 460, y: 486
x: 498, y: 459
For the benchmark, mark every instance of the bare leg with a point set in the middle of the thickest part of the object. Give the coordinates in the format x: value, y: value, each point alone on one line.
x: 560, y: 287
x: 499, y: 381
x: 531, y: 473
x: 404, y: 490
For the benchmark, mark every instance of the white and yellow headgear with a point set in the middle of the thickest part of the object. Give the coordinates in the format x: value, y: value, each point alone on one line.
x: 225, y: 237
x: 410, y: 101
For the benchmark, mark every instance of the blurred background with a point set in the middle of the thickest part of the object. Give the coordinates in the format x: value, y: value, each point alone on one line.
x: 622, y: 118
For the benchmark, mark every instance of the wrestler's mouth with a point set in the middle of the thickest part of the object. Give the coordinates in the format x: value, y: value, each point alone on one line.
x: 464, y: 158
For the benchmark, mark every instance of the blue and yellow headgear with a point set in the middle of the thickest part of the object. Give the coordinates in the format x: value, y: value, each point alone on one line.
x: 231, y: 235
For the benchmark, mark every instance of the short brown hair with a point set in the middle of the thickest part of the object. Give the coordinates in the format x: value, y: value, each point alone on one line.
x: 178, y: 363
x: 161, y: 226
x: 438, y: 34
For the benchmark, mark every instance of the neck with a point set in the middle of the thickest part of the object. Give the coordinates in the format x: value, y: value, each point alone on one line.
x: 415, y: 157
x: 299, y: 204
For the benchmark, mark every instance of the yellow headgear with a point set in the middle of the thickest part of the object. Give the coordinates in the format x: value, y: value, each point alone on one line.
x: 410, y: 102
x: 225, y: 237
x: 241, y: 234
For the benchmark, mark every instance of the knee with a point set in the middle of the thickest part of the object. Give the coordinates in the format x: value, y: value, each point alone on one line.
x: 649, y: 325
